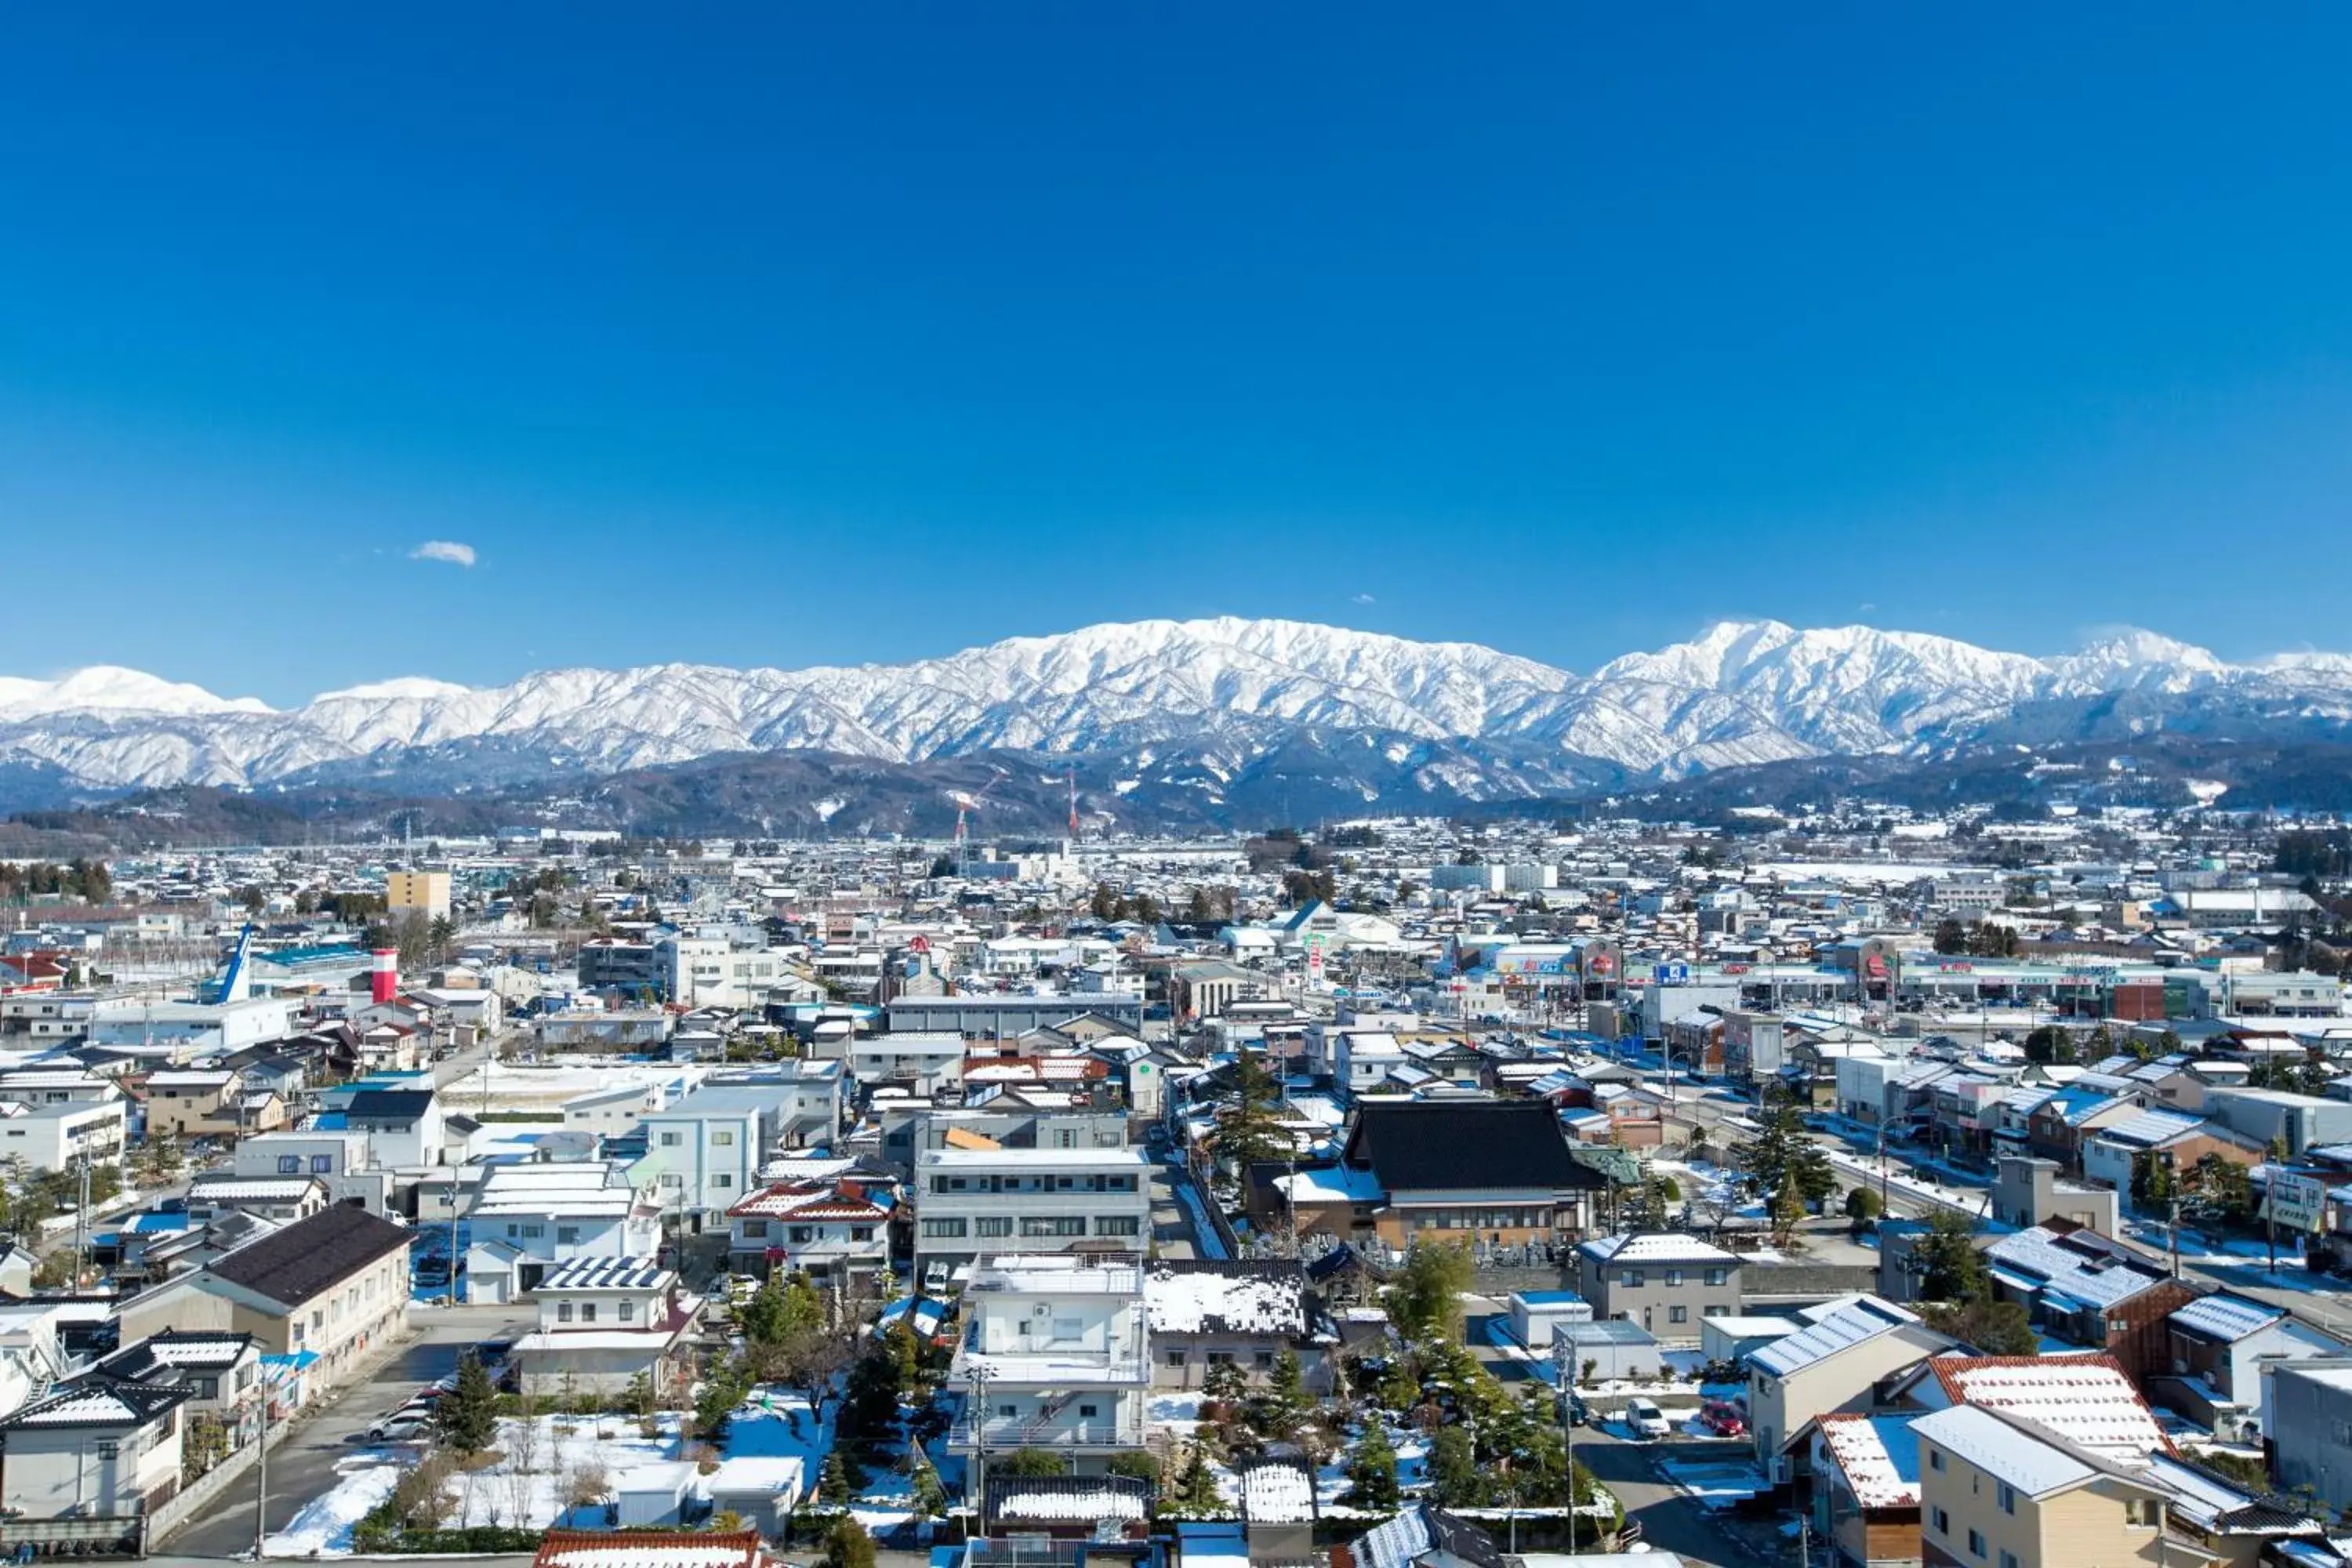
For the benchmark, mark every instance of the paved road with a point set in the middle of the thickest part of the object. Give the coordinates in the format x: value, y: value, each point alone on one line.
x: 303, y: 1463
x: 1171, y: 1222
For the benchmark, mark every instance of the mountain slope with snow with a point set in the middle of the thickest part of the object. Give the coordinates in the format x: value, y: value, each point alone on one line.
x: 1251, y: 691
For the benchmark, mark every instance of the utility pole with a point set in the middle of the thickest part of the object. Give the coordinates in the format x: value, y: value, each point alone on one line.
x: 261, y: 1473
x: 1563, y: 1356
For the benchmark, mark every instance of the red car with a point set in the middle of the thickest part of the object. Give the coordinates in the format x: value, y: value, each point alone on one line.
x: 1723, y: 1418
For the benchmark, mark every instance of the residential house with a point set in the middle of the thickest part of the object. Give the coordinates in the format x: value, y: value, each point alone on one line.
x: 1470, y: 1170
x: 1666, y: 1281
x: 192, y: 1102
x: 2178, y: 1140
x: 1999, y: 1489
x: 281, y: 1198
x: 605, y: 1323
x: 404, y: 1126
x: 526, y: 1218
x: 1207, y: 1312
x: 344, y: 1161
x: 704, y: 1150
x: 2307, y: 1427
x: 2220, y: 1345
x: 1865, y: 1471
x: 222, y: 1373
x: 2091, y: 1290
x: 969, y: 1201
x: 836, y: 1231
x: 2061, y: 1123
x: 98, y: 1447
x: 923, y: 1061
x: 1056, y: 1354
x: 2085, y: 1399
x: 330, y: 1285
x: 1835, y: 1364
x: 614, y: 1112
x: 2026, y: 1191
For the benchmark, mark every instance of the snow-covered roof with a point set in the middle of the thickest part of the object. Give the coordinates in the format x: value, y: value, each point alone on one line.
x: 604, y: 1274
x: 2150, y: 1128
x: 1879, y: 1455
x: 1330, y: 1185
x: 2095, y: 1273
x: 2226, y: 1317
x: 1664, y: 1246
x: 2085, y: 1399
x: 1226, y: 1298
x: 1842, y: 1325
x: 1277, y: 1491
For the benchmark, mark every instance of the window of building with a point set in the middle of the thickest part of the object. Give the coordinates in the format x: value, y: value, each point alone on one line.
x: 1265, y: 1360
x: 723, y: 1138
x: 1715, y: 1309
x: 2009, y: 1559
x: 628, y: 1311
x: 943, y: 1227
x: 1674, y: 1276
x: 1175, y: 1358
x: 1052, y: 1224
x: 755, y: 1230
x: 1677, y: 1314
x: 1088, y: 1412
x: 568, y: 1235
x: 996, y: 1224
x: 1221, y: 1358
x: 1976, y: 1543
x: 1117, y: 1224
x: 564, y: 1311
x: 669, y: 1140
x: 2007, y: 1497
x: 587, y: 1311
x: 533, y: 1232
x: 1935, y: 1459
x: 107, y: 1448
x: 1941, y: 1520
x: 2143, y: 1512
x: 865, y: 1233
x: 671, y: 1179
x: 1718, y: 1275
x: 721, y: 1179
x: 322, y: 1164
x: 802, y: 1234
x: 289, y: 1164
x: 1632, y: 1278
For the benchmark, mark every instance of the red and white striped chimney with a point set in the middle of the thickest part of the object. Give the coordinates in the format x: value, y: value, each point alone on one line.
x: 384, y: 975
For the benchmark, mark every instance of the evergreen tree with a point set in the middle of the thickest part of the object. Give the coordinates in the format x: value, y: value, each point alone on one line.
x: 1196, y: 1489
x: 1249, y: 1129
x: 1372, y: 1468
x: 1455, y: 1478
x: 1949, y: 1267
x: 848, y: 1544
x: 1425, y: 1297
x: 468, y: 1415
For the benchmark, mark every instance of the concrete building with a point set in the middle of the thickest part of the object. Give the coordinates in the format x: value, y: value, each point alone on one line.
x: 1832, y: 1364
x: 58, y: 1137
x: 970, y: 1202
x: 2301, y: 1121
x: 425, y: 893
x: 1057, y: 1355
x: 606, y: 1322
x: 99, y: 1447
x: 343, y: 1161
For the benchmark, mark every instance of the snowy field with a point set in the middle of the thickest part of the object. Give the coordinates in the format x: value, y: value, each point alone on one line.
x: 538, y: 1471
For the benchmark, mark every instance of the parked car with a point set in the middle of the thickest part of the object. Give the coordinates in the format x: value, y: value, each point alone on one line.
x: 400, y: 1426
x: 1723, y: 1418
x: 1646, y: 1419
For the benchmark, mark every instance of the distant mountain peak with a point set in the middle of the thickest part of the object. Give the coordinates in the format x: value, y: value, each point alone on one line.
x: 1742, y: 691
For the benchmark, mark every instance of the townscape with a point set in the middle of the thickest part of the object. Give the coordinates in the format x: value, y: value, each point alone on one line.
x: 1867, y: 1184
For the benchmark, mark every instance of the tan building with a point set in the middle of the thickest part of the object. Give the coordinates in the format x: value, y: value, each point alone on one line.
x: 421, y: 892
x: 1999, y: 1491
x: 334, y: 1285
x: 1834, y: 1363
x: 195, y: 1103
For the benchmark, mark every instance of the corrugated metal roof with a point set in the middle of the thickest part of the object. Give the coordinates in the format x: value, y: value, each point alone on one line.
x: 2226, y: 1317
x: 1866, y: 1318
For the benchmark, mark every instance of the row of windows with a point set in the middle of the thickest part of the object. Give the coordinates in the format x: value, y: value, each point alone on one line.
x: 1635, y: 1279
x: 565, y: 1235
x: 1033, y: 1184
x: 1034, y: 1225
x: 291, y: 1165
x: 800, y: 1234
x: 625, y: 1312
x: 1263, y: 1360
x: 1533, y: 1219
x: 720, y: 1138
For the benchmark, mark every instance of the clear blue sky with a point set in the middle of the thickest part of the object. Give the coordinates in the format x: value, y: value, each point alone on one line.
x: 796, y: 333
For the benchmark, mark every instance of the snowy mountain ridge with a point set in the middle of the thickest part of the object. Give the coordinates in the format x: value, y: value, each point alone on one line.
x: 1742, y: 691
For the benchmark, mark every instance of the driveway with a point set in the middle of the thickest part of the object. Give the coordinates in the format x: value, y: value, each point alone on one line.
x: 303, y: 1463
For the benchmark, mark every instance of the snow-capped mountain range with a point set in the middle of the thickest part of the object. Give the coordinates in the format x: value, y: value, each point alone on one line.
x: 1742, y: 692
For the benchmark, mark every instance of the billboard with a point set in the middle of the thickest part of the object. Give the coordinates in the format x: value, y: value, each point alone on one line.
x: 2298, y: 1202
x: 1314, y: 941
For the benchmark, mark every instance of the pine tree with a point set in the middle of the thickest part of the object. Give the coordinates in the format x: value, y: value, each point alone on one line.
x: 1372, y: 1468
x: 468, y: 1415
x: 1249, y: 1129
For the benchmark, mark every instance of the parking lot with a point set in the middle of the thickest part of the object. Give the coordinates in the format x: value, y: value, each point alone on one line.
x: 303, y: 1463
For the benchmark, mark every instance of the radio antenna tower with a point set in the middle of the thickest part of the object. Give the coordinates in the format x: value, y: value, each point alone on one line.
x: 1074, y: 802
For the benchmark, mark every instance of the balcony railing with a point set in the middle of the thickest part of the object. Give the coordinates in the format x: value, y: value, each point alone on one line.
x: 1009, y: 1432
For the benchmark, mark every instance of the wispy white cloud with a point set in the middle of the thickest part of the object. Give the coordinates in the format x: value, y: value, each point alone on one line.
x: 1363, y: 599
x: 444, y: 550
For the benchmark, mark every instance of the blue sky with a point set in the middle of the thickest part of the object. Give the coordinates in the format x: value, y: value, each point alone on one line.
x: 776, y: 334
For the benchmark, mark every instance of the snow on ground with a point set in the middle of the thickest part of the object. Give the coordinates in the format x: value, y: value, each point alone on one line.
x: 324, y: 1525
x: 1179, y: 1413
x: 530, y: 1483
x: 1204, y: 1235
x: 1711, y: 1483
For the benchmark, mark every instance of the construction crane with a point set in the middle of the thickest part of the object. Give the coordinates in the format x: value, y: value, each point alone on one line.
x: 966, y: 802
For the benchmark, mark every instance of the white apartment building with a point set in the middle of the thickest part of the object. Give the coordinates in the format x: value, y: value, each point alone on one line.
x: 1056, y: 1355
x: 713, y: 972
x: 922, y: 1060
x: 971, y: 1202
x: 57, y: 1137
x: 526, y: 1218
x: 615, y: 1111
